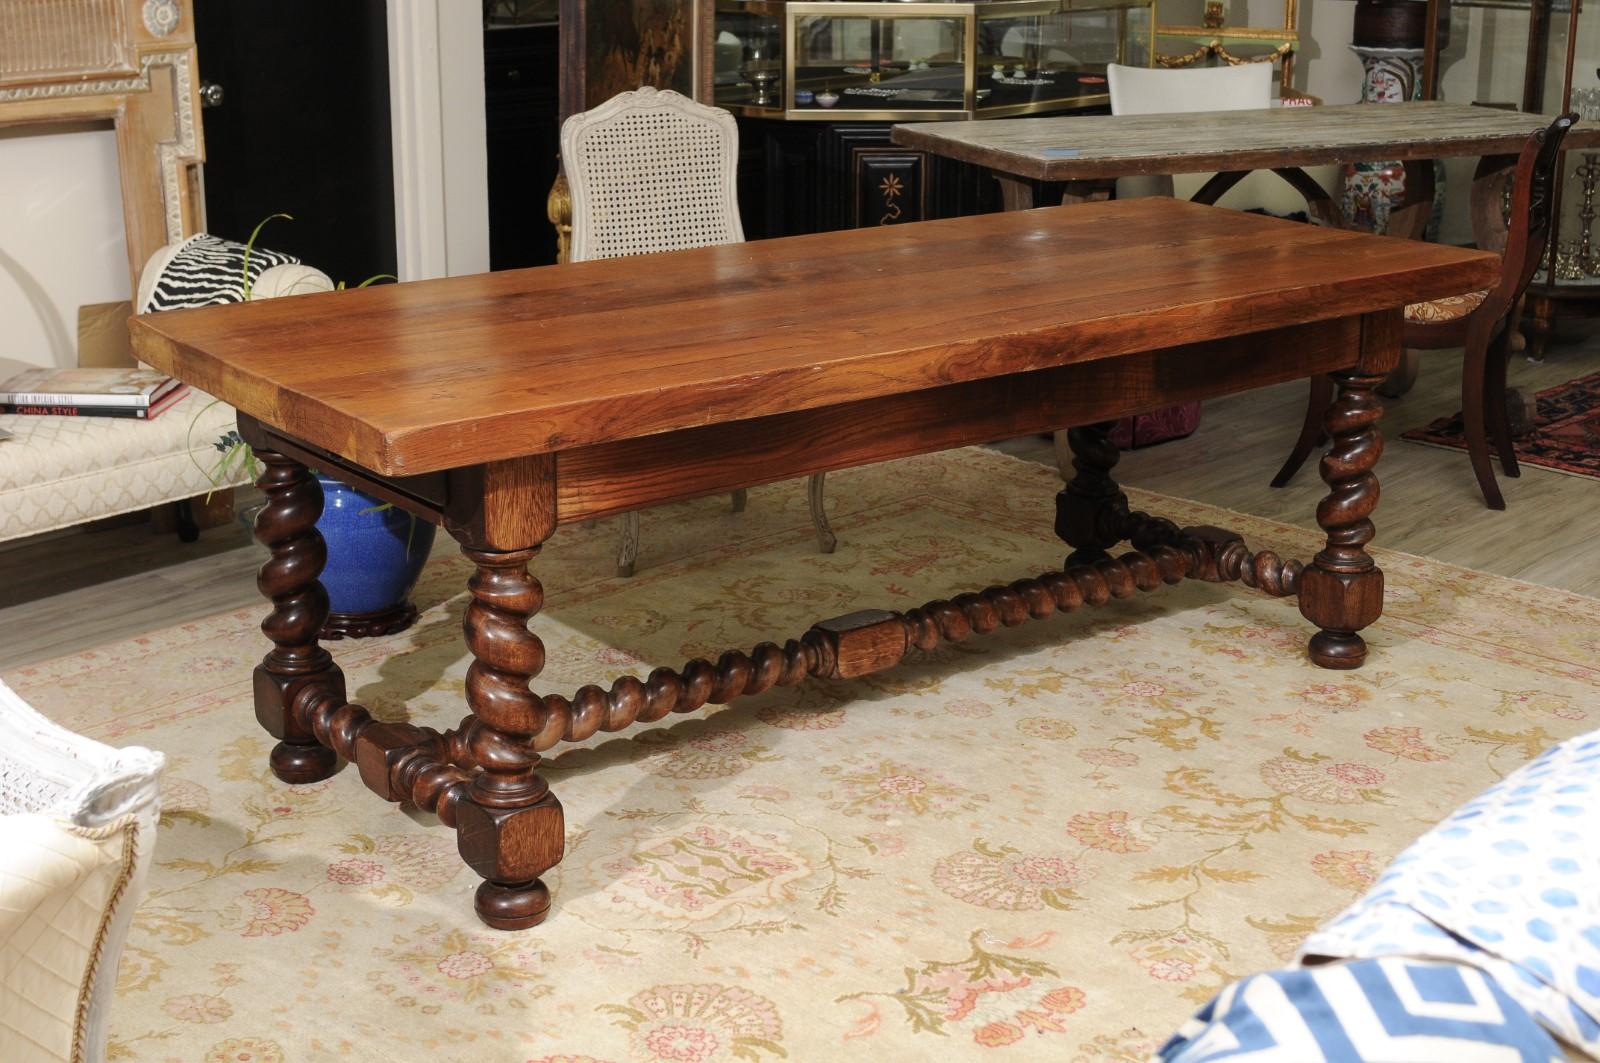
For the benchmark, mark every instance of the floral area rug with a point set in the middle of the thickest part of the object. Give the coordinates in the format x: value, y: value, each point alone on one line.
x: 1566, y: 434
x: 1052, y: 842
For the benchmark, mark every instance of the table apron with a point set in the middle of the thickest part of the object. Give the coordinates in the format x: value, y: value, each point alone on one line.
x: 615, y: 477
x: 425, y: 495
x: 610, y: 478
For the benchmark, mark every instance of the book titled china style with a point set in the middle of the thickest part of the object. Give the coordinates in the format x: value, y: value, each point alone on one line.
x: 143, y: 413
x: 87, y: 388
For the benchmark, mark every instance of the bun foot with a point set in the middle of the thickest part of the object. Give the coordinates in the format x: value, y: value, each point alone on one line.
x: 1338, y: 649
x: 297, y: 765
x: 512, y: 907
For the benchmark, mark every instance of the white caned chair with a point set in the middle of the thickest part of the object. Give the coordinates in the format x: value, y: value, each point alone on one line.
x: 77, y: 828
x: 654, y: 171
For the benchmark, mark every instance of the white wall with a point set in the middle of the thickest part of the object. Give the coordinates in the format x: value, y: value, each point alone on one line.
x: 436, y: 106
x: 61, y: 237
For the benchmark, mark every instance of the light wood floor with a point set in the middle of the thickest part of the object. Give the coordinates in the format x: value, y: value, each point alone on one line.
x: 68, y: 592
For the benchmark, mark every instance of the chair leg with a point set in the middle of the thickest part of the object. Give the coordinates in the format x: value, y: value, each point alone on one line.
x: 1312, y: 434
x: 1472, y: 393
x: 629, y: 551
x: 740, y: 497
x: 826, y: 540
x: 1495, y: 406
x: 1063, y: 455
x: 1404, y: 377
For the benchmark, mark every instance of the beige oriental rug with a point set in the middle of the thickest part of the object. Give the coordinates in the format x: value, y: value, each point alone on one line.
x: 1049, y: 843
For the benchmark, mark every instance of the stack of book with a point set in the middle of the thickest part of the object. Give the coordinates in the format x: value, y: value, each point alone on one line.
x: 141, y: 393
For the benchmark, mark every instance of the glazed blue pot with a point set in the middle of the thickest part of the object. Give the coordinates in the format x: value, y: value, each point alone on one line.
x: 370, y: 567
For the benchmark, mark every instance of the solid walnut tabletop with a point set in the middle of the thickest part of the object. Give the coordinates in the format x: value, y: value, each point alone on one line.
x: 1074, y: 148
x: 419, y: 377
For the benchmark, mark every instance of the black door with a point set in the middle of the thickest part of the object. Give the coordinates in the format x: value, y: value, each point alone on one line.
x: 522, y: 98
x: 302, y: 129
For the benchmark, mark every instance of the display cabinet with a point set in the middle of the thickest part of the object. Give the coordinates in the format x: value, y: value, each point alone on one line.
x: 838, y: 60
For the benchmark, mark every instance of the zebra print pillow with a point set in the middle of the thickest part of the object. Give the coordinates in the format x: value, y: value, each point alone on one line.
x: 205, y: 270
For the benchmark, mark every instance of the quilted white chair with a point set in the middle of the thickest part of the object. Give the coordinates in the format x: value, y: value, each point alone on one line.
x: 654, y: 171
x: 77, y: 827
x: 1183, y: 90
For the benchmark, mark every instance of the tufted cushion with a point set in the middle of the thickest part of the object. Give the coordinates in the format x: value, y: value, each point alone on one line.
x: 60, y: 471
x: 1450, y: 308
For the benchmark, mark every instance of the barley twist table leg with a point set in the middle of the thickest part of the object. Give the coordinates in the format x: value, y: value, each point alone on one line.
x: 1342, y: 590
x: 1091, y: 511
x: 509, y: 828
x: 287, y: 526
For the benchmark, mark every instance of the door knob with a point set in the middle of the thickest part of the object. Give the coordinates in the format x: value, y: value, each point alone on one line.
x: 210, y: 94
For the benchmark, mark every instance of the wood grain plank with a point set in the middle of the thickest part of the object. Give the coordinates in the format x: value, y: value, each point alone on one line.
x: 503, y: 505
x: 432, y: 375
x: 52, y: 604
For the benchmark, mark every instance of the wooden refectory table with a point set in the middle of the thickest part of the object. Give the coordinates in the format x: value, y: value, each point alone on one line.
x: 505, y: 404
x: 1022, y: 152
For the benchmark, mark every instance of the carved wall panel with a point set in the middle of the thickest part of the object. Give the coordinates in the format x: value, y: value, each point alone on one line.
x: 129, y: 61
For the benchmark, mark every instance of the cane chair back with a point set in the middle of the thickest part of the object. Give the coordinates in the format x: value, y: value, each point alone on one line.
x: 650, y: 171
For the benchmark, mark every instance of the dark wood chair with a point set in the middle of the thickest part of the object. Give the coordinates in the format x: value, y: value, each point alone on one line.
x: 1476, y: 321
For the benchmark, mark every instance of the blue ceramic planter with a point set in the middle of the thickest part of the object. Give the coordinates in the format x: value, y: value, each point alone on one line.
x: 374, y: 558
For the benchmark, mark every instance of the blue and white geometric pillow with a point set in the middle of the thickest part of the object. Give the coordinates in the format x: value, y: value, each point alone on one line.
x: 1389, y: 1010
x: 1509, y: 883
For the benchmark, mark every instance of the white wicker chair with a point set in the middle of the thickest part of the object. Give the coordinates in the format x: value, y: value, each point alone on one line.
x: 77, y: 827
x: 654, y: 171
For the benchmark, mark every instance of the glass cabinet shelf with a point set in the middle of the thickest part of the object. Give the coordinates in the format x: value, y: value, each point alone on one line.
x: 832, y: 60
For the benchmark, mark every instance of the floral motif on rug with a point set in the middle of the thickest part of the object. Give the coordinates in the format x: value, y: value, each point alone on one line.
x: 1052, y: 842
x: 1566, y: 434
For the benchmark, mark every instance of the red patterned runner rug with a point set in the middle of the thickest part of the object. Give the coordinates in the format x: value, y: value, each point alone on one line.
x: 1566, y: 436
